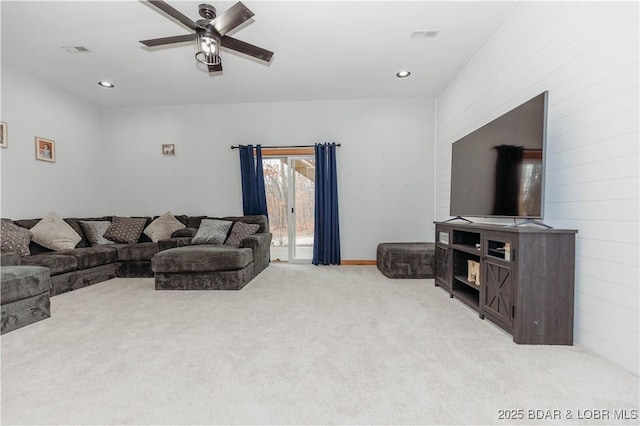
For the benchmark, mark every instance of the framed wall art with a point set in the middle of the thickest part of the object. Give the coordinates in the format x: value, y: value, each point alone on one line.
x: 3, y: 134
x: 168, y: 149
x: 45, y: 150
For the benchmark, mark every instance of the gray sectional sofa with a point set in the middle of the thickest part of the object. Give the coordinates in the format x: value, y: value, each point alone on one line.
x: 181, y: 265
x: 85, y: 265
x: 24, y: 293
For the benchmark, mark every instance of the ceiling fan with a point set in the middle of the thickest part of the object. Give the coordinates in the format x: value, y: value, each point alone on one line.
x: 210, y: 33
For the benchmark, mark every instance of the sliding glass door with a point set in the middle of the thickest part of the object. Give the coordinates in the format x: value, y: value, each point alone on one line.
x: 290, y: 188
x: 302, y: 209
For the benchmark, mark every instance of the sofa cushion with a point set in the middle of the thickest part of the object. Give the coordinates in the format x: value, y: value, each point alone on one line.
x: 89, y: 257
x: 54, y: 233
x: 57, y: 263
x: 260, y: 219
x: 194, y: 221
x: 20, y: 282
x: 183, y: 218
x: 201, y: 258
x: 173, y: 242
x: 212, y: 231
x: 138, y: 251
x: 162, y: 227
x: 185, y: 232
x: 10, y: 258
x: 94, y: 231
x: 27, y: 223
x: 240, y: 231
x: 125, y: 230
x: 14, y: 238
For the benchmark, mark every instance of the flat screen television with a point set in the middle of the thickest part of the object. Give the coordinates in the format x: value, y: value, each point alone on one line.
x: 498, y: 170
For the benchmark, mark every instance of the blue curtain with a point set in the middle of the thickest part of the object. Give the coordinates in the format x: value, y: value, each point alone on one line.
x: 326, y: 241
x: 254, y: 199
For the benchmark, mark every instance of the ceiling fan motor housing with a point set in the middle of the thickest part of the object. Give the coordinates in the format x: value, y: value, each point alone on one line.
x: 207, y: 11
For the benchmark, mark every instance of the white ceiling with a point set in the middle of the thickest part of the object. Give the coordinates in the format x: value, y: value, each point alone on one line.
x: 323, y: 50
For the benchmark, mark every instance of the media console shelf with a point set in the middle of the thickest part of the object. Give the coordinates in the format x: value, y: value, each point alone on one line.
x: 524, y: 280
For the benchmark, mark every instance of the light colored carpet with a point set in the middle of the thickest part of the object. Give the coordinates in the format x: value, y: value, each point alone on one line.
x: 300, y: 344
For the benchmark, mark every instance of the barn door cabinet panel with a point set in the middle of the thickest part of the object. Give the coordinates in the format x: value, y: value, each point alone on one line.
x: 498, y: 270
x: 443, y: 267
x: 497, y: 301
x: 520, y: 278
x: 443, y: 258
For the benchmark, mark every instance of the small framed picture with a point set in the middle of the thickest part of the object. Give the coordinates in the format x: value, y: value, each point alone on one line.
x: 168, y: 149
x: 45, y: 150
x: 3, y: 135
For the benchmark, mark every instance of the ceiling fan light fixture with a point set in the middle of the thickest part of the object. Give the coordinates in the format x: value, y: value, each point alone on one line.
x: 106, y: 84
x: 211, y: 33
x: 403, y: 74
x: 207, y: 48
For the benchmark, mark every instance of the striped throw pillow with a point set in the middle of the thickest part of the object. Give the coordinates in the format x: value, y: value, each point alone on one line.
x: 54, y: 233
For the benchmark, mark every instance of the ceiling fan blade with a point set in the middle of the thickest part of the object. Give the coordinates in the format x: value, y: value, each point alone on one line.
x: 246, y: 48
x: 169, y: 10
x: 231, y: 18
x: 214, y: 68
x: 168, y: 40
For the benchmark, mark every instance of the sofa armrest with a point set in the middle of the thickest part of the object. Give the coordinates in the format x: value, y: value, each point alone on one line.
x: 261, y: 246
x: 260, y: 241
x: 173, y: 242
x: 10, y: 258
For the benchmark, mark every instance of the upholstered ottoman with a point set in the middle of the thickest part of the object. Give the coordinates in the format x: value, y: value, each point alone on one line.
x: 203, y: 267
x: 25, y: 296
x: 406, y: 260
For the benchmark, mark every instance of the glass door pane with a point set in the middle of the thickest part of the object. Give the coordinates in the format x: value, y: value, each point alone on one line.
x: 276, y: 183
x: 290, y: 188
x: 301, y: 211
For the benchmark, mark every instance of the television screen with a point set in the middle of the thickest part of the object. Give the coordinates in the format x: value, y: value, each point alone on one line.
x: 498, y: 170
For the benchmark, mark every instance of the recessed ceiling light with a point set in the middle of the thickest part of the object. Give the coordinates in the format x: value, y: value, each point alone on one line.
x: 403, y: 74
x: 106, y: 84
x: 425, y: 34
x: 75, y: 49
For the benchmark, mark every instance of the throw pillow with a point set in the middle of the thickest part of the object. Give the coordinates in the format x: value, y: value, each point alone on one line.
x: 241, y: 230
x: 14, y: 238
x: 212, y: 231
x: 54, y: 233
x: 125, y: 230
x: 163, y: 227
x: 94, y: 230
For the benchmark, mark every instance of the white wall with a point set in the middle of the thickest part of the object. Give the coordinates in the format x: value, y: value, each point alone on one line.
x: 31, y: 188
x: 586, y: 56
x: 109, y: 160
x: 385, y: 164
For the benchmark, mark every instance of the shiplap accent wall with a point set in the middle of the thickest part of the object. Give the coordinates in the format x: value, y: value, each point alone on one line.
x: 586, y: 56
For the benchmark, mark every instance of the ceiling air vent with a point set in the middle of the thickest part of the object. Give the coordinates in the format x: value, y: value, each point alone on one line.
x: 425, y: 34
x: 75, y: 49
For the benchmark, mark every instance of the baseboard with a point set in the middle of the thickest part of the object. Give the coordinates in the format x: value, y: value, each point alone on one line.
x: 358, y: 262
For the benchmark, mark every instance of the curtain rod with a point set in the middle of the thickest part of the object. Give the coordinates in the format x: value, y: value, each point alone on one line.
x: 284, y: 146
